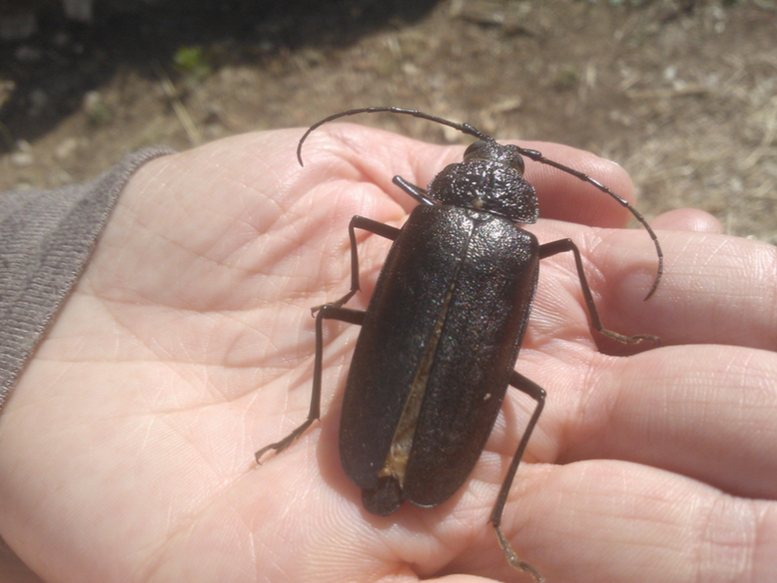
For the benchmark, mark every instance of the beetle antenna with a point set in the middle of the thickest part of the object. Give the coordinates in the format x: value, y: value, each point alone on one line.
x: 464, y: 128
x: 538, y: 157
x: 470, y: 130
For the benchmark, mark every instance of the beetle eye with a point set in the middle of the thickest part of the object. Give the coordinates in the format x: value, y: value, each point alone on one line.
x: 475, y: 150
x: 520, y: 164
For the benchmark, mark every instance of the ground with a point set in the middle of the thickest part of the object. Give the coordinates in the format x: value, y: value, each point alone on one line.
x: 683, y: 94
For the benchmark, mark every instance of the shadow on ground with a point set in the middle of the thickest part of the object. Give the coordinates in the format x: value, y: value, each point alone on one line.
x: 53, y: 70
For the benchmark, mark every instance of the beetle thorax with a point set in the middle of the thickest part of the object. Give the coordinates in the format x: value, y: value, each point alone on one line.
x: 489, y: 179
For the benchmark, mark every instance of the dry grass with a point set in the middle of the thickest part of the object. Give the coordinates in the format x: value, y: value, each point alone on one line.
x: 683, y: 99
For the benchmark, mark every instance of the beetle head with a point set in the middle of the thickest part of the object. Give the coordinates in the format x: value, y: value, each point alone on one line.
x: 492, y: 150
x: 489, y: 179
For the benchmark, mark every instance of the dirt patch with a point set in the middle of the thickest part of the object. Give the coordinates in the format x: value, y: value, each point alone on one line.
x: 682, y: 94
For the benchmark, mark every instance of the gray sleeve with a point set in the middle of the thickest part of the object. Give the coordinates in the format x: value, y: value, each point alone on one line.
x: 46, y: 239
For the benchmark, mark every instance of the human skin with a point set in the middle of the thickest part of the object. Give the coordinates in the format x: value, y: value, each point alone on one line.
x: 126, y: 450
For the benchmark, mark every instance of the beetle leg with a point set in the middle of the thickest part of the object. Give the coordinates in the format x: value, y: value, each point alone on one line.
x: 326, y: 312
x: 416, y: 192
x: 537, y: 393
x: 375, y: 227
x: 563, y: 245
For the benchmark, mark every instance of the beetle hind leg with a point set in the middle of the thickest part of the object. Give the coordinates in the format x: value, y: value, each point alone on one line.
x: 537, y: 393
x: 279, y: 446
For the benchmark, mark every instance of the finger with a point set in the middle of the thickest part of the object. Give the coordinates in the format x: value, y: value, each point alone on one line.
x: 720, y: 289
x: 706, y: 412
x: 687, y: 220
x: 716, y: 289
x: 380, y: 156
x: 619, y: 522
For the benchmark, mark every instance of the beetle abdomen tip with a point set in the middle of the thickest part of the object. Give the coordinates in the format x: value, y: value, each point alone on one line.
x: 385, y: 498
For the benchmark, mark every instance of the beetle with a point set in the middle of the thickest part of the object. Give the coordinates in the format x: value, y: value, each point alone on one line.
x: 443, y: 328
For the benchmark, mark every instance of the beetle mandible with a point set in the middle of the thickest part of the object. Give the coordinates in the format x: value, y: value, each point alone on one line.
x: 442, y: 331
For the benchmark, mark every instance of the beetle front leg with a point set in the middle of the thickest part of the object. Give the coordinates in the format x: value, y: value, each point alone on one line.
x: 537, y: 393
x: 416, y: 192
x: 326, y: 312
x: 563, y: 245
x: 375, y: 227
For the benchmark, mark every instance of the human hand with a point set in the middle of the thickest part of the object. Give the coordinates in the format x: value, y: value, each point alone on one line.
x: 127, y: 448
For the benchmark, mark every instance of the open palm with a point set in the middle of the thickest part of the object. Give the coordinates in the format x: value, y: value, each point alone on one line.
x: 127, y: 448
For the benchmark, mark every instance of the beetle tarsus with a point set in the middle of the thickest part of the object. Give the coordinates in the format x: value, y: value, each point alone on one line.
x: 513, y: 559
x: 636, y: 339
x: 279, y: 446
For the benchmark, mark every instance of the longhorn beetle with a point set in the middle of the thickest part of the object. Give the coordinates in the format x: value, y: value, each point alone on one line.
x: 442, y: 331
